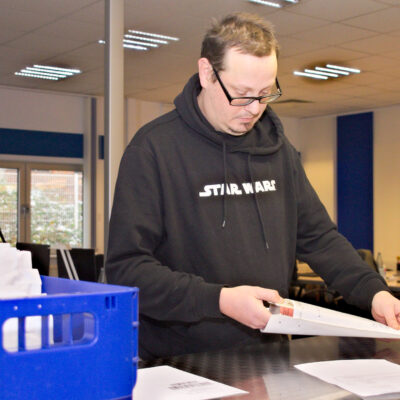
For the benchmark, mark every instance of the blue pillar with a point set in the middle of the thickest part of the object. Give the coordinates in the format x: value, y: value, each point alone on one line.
x: 355, y: 179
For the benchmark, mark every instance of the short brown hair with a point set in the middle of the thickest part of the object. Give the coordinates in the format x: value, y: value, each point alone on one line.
x: 249, y: 33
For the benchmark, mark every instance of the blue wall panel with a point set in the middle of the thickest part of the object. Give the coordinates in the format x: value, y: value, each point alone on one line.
x: 355, y: 179
x: 38, y: 143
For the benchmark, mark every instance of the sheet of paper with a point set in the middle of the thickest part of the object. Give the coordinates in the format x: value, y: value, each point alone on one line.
x: 297, y: 318
x: 293, y: 384
x: 363, y: 377
x: 167, y: 383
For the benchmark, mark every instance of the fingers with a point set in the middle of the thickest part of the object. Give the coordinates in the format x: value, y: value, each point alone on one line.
x: 391, y: 321
x: 269, y: 295
x: 386, y: 309
x: 245, y: 304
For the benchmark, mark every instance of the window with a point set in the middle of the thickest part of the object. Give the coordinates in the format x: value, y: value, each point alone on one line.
x: 41, y: 203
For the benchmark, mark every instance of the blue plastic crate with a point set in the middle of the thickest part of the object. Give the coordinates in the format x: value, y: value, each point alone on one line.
x: 93, y: 353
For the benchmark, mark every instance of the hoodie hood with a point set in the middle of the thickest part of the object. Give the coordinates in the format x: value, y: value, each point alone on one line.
x: 264, y: 138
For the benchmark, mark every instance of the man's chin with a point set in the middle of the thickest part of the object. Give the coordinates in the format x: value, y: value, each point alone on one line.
x: 241, y: 129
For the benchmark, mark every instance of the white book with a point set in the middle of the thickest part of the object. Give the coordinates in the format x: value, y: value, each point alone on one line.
x: 298, y: 318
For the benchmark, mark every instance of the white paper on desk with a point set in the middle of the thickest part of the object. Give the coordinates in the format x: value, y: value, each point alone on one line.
x: 168, y: 383
x: 297, y: 318
x: 365, y: 378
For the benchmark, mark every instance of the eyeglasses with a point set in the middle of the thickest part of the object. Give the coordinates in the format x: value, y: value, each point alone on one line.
x: 244, y: 101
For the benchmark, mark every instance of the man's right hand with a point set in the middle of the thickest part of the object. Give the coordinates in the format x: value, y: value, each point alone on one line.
x: 245, y: 304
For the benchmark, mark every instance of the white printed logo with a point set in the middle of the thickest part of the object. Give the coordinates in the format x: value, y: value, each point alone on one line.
x: 234, y: 189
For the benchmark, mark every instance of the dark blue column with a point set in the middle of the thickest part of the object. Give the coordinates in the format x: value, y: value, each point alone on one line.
x: 355, y: 179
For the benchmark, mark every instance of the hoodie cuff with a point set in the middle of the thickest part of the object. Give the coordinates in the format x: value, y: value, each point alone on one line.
x: 210, y: 301
x: 370, y: 290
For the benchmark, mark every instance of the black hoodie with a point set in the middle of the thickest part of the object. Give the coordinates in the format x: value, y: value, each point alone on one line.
x: 180, y: 237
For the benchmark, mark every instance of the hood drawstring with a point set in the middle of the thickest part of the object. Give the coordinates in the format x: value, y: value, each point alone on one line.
x: 256, y: 200
x: 225, y: 184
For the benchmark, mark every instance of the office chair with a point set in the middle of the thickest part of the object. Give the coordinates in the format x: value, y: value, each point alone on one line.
x: 368, y: 257
x: 40, y: 256
x: 83, y: 266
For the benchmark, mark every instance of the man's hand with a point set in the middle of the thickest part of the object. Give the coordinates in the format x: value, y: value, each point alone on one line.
x: 245, y: 304
x: 386, y: 309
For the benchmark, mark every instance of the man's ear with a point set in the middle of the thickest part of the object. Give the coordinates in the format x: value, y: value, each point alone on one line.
x: 205, y: 72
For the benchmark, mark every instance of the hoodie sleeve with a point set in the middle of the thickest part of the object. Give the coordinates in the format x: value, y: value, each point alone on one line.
x: 135, y: 232
x: 328, y: 253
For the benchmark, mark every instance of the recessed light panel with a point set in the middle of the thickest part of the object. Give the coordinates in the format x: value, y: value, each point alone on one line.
x: 47, y: 72
x: 329, y: 71
x: 275, y: 3
x: 142, y: 41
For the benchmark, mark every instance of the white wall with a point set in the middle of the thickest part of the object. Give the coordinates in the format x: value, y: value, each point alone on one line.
x: 35, y: 110
x: 139, y: 113
x: 317, y: 143
x: 291, y: 128
x: 387, y: 183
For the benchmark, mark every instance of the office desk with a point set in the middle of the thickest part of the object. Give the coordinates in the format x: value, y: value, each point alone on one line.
x: 306, y: 276
x: 267, y: 371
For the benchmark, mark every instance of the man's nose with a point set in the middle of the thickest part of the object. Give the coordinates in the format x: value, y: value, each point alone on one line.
x: 255, y: 107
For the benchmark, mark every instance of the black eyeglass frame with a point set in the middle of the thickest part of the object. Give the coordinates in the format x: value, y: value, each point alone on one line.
x: 250, y: 99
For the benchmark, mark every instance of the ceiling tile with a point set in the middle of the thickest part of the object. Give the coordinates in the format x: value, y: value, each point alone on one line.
x: 380, y: 21
x: 287, y: 23
x: 337, y: 10
x: 334, y: 34
x: 44, y: 45
x: 23, y: 20
x: 68, y: 28
x: 55, y: 7
x: 374, y: 45
x: 291, y: 46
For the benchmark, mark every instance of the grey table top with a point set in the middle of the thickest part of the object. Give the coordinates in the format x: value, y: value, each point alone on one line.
x: 267, y: 371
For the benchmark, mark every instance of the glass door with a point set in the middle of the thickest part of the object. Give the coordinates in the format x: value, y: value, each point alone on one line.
x: 41, y: 203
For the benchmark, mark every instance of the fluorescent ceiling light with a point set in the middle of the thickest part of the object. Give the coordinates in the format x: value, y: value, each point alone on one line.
x: 128, y: 41
x: 144, y: 40
x: 156, y: 35
x: 314, y: 75
x: 47, y: 72
x: 266, y: 3
x: 275, y: 3
x: 311, y: 71
x: 58, y: 74
x: 31, y: 75
x: 353, y: 70
x: 135, y: 47
x: 336, y: 71
x: 58, y: 69
x: 329, y: 71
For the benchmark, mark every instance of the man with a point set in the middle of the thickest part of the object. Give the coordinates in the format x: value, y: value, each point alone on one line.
x: 212, y: 207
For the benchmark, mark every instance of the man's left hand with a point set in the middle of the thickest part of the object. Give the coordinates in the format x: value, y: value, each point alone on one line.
x: 386, y: 309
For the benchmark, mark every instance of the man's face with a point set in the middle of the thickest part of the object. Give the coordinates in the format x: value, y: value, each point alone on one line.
x: 243, y: 75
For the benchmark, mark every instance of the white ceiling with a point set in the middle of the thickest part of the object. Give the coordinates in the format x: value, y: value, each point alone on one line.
x: 359, y: 33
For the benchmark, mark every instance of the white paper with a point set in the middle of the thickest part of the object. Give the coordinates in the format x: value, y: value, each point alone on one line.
x: 300, y: 386
x: 307, y: 319
x: 20, y: 280
x: 363, y: 377
x: 168, y: 383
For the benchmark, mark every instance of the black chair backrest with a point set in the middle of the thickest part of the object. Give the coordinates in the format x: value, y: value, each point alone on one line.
x: 40, y: 255
x: 85, y: 264
x: 368, y: 257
